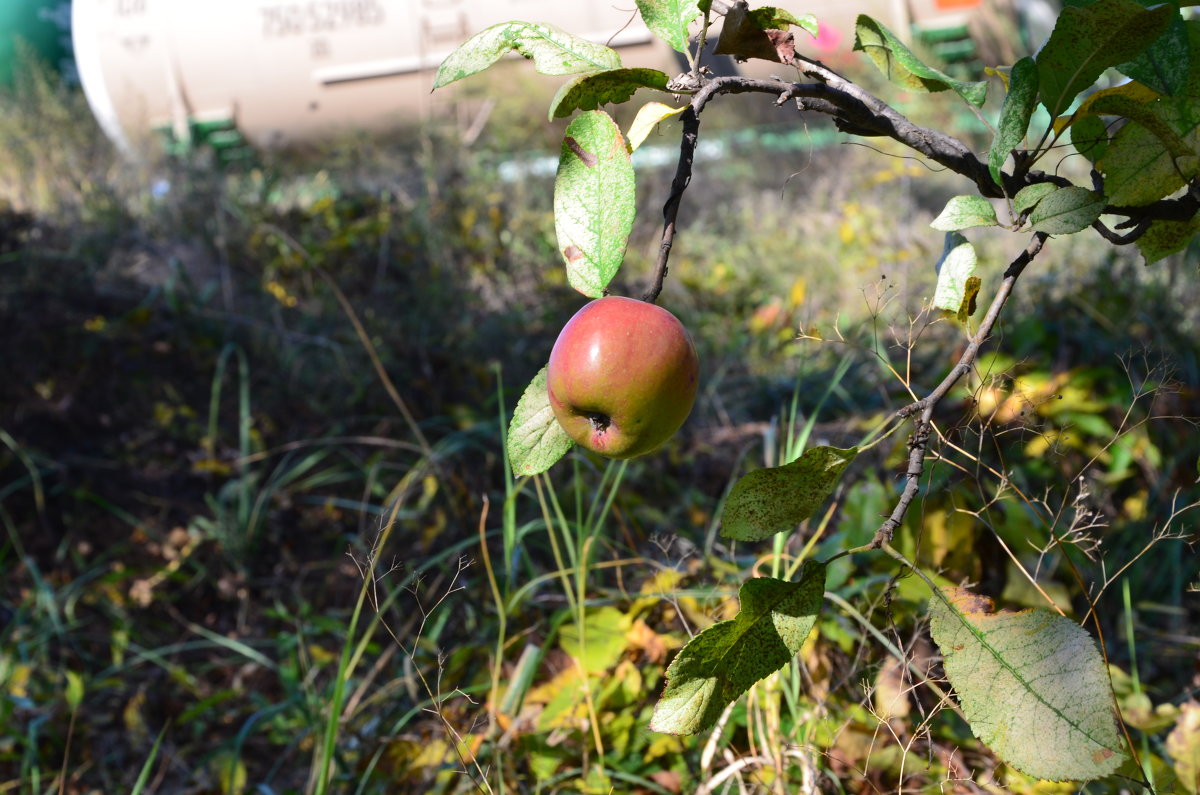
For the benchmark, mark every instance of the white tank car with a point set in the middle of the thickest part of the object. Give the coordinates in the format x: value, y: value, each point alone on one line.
x: 272, y: 72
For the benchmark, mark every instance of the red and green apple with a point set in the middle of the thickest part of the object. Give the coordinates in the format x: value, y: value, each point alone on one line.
x: 622, y: 376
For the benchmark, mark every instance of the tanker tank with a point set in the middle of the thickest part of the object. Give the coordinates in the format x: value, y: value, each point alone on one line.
x: 245, y: 74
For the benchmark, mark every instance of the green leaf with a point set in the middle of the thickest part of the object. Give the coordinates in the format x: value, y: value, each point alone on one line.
x: 553, y: 52
x: 954, y: 269
x: 1149, y: 115
x: 670, y: 19
x: 1165, y: 64
x: 723, y: 661
x: 1066, y: 210
x: 602, y: 642
x: 1032, y: 685
x: 769, y: 501
x: 771, y: 18
x: 1138, y: 169
x: 899, y: 65
x: 1015, y: 115
x: 1028, y: 196
x: 143, y: 778
x: 1086, y: 41
x: 535, y: 439
x: 1089, y: 135
x: 593, y: 201
x: 648, y: 117
x: 589, y: 92
x: 74, y: 690
x: 1164, y: 238
x: 964, y: 212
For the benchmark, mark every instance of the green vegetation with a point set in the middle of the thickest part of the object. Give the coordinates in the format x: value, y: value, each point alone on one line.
x: 261, y: 534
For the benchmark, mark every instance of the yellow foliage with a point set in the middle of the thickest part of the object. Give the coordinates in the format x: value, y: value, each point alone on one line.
x: 17, y: 679
x: 662, y: 745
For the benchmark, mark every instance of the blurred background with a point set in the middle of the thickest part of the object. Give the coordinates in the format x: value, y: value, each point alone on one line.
x: 262, y: 295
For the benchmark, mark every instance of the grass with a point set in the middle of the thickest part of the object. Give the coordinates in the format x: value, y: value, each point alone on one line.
x: 261, y: 535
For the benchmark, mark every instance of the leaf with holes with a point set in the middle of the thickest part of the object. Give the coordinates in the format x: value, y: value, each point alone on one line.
x: 553, y: 52
x: 769, y: 501
x: 964, y: 212
x: 593, y: 201
x: 954, y: 269
x: 723, y: 661
x: 1018, y: 108
x: 670, y: 19
x: 1032, y: 684
x: 589, y: 92
x: 535, y: 439
x: 899, y: 65
x: 1066, y: 211
x: 1088, y: 40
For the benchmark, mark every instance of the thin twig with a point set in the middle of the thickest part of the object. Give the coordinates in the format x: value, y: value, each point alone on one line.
x: 918, y: 443
x: 683, y: 176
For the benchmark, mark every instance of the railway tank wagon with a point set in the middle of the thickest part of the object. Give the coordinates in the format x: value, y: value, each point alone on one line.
x: 245, y: 74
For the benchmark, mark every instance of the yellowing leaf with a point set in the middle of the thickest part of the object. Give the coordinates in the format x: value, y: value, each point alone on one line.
x: 648, y: 117
x: 891, y: 691
x: 1183, y: 744
x: 1032, y: 685
x: 798, y: 293
x: 1131, y: 90
x: 954, y: 269
x: 600, y: 642
x: 548, y: 691
x: 18, y: 680
x: 653, y: 645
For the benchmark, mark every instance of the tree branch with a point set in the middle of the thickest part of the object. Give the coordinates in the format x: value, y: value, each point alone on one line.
x: 918, y: 443
x: 683, y: 177
x: 859, y: 112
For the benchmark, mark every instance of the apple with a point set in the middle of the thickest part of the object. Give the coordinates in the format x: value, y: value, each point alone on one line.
x: 622, y: 376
